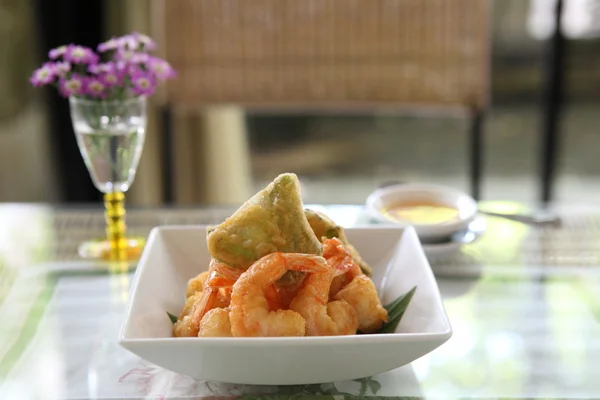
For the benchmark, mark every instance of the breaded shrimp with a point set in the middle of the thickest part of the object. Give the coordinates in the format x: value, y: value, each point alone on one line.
x: 340, y: 259
x: 361, y: 294
x: 196, y: 284
x: 323, y: 318
x: 216, y: 293
x: 251, y: 314
x: 215, y: 323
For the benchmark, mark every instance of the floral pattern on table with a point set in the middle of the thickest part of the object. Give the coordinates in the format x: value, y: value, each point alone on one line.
x: 154, y: 381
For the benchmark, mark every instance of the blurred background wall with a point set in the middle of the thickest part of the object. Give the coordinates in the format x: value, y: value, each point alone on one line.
x: 222, y: 154
x: 26, y: 162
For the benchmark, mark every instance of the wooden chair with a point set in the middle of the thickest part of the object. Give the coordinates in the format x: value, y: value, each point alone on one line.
x: 336, y: 55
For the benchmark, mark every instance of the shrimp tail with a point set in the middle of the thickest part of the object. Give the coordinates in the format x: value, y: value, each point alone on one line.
x: 220, y: 282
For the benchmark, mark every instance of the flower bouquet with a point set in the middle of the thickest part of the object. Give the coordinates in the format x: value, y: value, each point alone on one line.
x: 107, y: 91
x: 129, y: 70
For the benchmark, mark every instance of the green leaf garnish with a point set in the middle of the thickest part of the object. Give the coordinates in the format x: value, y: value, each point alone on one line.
x: 172, y: 317
x: 396, y: 310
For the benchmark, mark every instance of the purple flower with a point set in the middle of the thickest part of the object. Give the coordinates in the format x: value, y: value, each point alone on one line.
x: 128, y: 42
x: 139, y: 58
x: 132, y: 69
x: 43, y: 75
x: 73, y: 86
x: 62, y: 68
x: 144, y: 40
x: 80, y: 55
x: 161, y: 69
x: 132, y: 42
x: 132, y: 57
x: 57, y: 52
x: 102, y: 68
x: 110, y: 44
x: 143, y: 84
x: 135, y: 41
x: 126, y: 68
x: 95, y: 87
x: 111, y: 79
x: 77, y: 71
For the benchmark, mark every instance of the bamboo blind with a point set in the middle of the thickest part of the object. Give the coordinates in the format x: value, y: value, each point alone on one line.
x: 335, y: 53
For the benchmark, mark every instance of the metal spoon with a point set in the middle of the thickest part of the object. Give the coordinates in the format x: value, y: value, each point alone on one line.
x: 537, y: 219
x: 530, y: 219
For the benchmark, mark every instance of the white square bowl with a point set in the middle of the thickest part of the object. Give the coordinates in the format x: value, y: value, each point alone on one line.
x: 175, y: 254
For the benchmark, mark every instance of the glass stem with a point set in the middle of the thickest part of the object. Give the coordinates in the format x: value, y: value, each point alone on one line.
x: 115, y: 225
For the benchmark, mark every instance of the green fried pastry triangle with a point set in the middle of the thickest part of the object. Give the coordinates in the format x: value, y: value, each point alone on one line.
x: 272, y: 220
x: 323, y: 226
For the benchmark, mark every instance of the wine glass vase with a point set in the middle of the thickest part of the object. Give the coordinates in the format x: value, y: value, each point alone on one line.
x: 110, y: 136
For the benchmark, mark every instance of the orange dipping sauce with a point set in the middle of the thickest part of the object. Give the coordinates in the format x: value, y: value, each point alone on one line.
x: 420, y: 212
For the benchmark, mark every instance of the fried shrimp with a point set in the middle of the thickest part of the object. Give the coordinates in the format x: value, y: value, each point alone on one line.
x: 361, y: 294
x: 188, y: 323
x: 323, y: 318
x: 185, y: 327
x: 215, y: 293
x: 196, y: 284
x: 288, y: 286
x: 217, y: 288
x: 215, y: 323
x: 353, y: 286
x: 189, y: 305
x: 340, y: 259
x: 251, y: 314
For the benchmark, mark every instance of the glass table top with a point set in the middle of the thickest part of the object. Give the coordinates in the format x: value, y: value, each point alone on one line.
x: 523, y: 303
